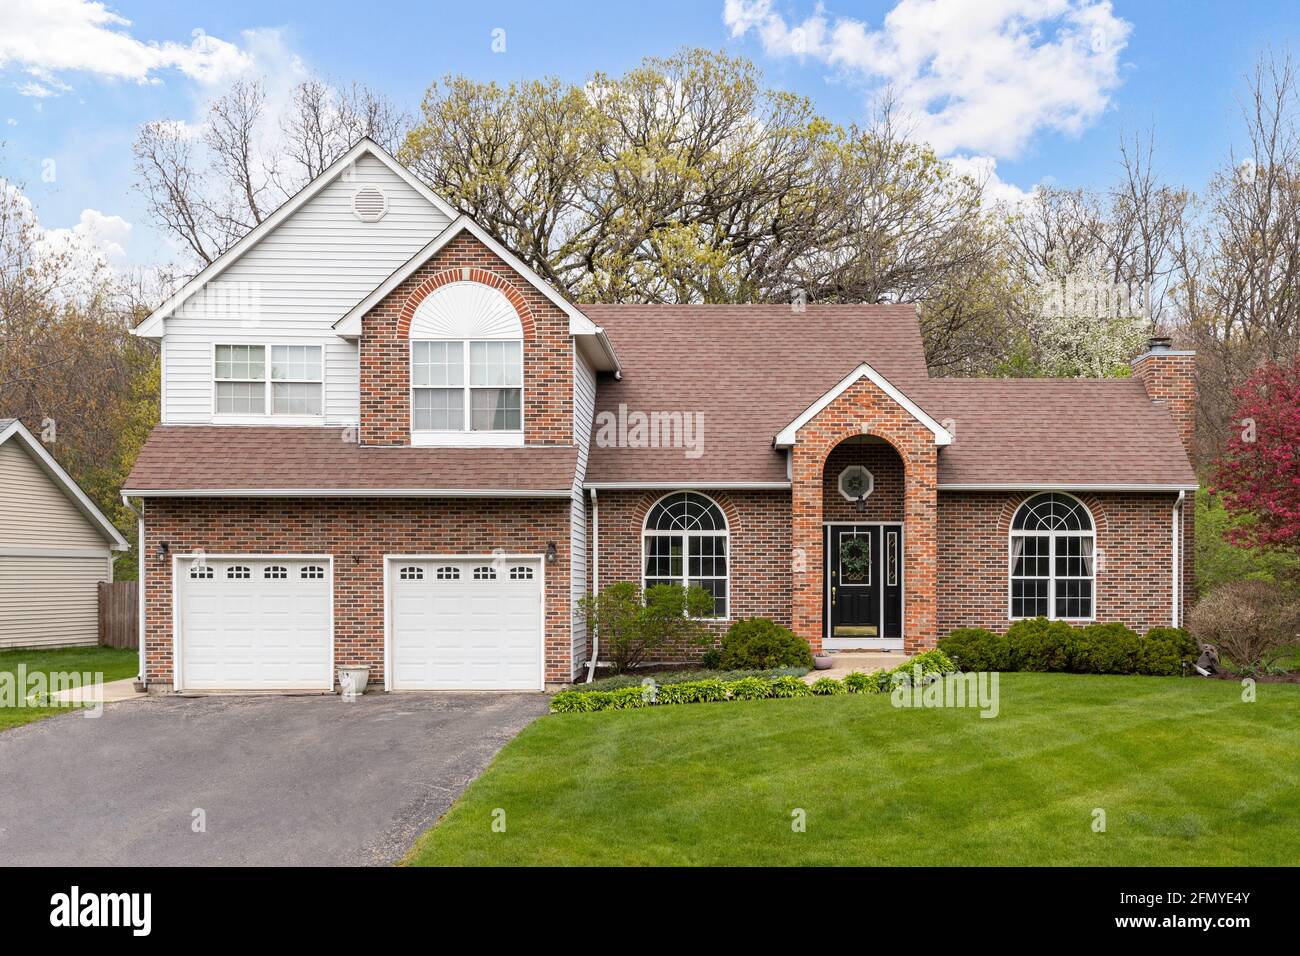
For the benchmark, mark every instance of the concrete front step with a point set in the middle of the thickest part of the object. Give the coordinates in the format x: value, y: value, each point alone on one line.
x: 866, y: 662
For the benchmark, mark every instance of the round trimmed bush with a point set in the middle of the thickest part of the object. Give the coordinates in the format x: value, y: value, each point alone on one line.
x: 977, y: 649
x: 758, y: 642
x: 1162, y: 651
x: 1105, y: 649
x: 1041, y: 645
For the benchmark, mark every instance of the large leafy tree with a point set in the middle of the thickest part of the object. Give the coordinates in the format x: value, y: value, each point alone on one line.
x: 688, y: 180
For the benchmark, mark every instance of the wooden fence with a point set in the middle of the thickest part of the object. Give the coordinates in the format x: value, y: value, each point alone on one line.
x: 119, y: 614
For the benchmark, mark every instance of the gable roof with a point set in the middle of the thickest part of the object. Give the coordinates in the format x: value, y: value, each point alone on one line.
x: 152, y: 326
x: 790, y: 434
x: 749, y: 370
x: 752, y: 371
x: 267, y: 460
x: 349, y: 326
x: 12, y: 428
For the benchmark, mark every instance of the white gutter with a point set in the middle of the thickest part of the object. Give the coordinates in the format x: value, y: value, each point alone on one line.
x: 1059, y: 486
x: 688, y: 485
x: 595, y: 580
x: 1175, y: 550
x: 139, y: 584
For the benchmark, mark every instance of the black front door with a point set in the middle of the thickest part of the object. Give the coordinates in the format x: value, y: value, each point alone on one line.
x: 864, y: 582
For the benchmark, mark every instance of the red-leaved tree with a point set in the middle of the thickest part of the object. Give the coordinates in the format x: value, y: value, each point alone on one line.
x: 1259, y: 473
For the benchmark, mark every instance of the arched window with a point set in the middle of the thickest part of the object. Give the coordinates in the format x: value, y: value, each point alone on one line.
x: 1052, y: 563
x: 685, y: 543
x: 467, y: 366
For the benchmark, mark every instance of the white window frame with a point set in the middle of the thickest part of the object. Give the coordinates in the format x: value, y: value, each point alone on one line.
x: 268, y: 416
x: 465, y: 436
x: 1051, y: 577
x: 724, y: 534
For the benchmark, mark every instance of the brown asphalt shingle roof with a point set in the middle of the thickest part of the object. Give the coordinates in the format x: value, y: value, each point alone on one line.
x: 192, y: 457
x: 1057, y: 431
x: 751, y: 370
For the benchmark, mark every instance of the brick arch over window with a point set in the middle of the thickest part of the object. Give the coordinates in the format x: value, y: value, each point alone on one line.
x: 465, y: 274
x: 1013, y: 503
x: 647, y: 501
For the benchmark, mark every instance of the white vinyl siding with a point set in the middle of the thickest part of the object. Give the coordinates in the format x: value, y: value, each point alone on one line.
x: 292, y: 287
x: 584, y: 410
x: 50, y: 601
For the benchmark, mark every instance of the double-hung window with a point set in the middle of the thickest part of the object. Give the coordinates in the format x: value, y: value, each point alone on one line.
x: 274, y: 380
x: 467, y: 386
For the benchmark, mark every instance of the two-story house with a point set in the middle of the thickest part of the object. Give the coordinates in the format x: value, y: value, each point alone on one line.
x: 387, y: 441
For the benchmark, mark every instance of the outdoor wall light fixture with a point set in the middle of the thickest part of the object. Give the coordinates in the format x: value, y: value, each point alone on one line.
x: 161, y: 552
x: 861, y: 505
x: 551, y: 553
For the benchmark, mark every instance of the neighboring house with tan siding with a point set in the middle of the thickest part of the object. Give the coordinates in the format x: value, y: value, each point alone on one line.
x: 55, y: 548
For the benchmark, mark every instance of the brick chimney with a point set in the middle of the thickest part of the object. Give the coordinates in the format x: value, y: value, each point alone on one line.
x: 1169, y: 376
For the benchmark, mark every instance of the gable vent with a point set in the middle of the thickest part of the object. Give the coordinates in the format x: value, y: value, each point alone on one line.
x: 369, y: 203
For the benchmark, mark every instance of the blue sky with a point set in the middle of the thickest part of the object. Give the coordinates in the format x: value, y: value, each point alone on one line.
x: 1041, y: 88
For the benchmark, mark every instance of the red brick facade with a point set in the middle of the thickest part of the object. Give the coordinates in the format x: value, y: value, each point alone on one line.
x: 758, y: 524
x: 885, y: 503
x: 358, y: 532
x: 1170, y: 380
x: 1133, y: 575
x: 865, y: 409
x: 386, y: 348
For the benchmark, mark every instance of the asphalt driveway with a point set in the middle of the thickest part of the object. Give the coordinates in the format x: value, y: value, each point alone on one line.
x: 274, y: 780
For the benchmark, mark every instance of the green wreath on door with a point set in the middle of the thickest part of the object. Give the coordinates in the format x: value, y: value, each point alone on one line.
x: 855, y: 557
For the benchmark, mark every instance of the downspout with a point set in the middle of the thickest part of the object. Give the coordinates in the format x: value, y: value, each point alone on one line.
x: 595, y: 580
x: 139, y: 584
x: 1176, y: 551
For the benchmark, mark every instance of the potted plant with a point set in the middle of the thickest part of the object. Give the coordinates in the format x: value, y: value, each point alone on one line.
x: 823, y: 660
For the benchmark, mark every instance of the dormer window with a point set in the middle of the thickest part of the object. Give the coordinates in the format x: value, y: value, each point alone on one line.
x: 246, y: 386
x: 467, y: 368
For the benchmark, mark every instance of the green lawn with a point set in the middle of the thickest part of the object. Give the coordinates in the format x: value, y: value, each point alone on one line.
x: 1186, y: 773
x: 114, y: 664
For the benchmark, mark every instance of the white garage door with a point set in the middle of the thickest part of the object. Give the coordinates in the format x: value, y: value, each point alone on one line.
x: 255, y: 624
x: 466, y: 624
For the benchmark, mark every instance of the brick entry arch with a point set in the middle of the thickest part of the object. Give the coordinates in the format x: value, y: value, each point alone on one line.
x: 865, y: 409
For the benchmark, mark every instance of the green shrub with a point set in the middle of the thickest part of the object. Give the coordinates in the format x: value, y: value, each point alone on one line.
x: 790, y: 687
x: 857, y: 682
x: 1038, y: 644
x: 693, y: 692
x: 638, y: 678
x: 633, y: 626
x: 711, y: 659
x: 579, y: 702
x: 828, y: 687
x: 749, y: 688
x: 1162, y: 651
x: 977, y: 649
x: 1105, y: 649
x: 759, y: 642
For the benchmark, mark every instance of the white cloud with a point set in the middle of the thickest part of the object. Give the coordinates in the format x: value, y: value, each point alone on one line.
x: 979, y: 76
x: 95, y: 248
x: 984, y: 170
x: 47, y: 37
x: 105, y: 237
